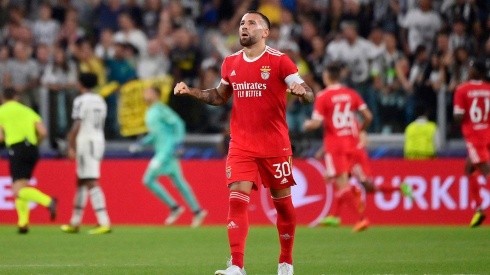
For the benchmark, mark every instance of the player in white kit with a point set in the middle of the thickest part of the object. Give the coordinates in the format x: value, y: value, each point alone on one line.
x: 86, y: 143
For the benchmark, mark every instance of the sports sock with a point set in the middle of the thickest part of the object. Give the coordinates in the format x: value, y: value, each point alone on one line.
x: 79, y: 203
x: 238, y: 226
x: 475, y: 188
x: 151, y: 182
x: 338, y: 201
x: 97, y: 199
x: 185, y: 190
x: 33, y: 194
x: 22, y: 207
x: 286, y: 227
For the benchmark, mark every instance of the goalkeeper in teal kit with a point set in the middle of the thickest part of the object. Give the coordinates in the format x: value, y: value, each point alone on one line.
x: 166, y: 131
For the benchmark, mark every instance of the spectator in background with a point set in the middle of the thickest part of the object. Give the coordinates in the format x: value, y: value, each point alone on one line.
x: 334, y: 17
x: 385, y: 13
x: 357, y: 53
x: 88, y: 62
x: 131, y: 34
x: 23, y: 74
x: 185, y: 58
x: 107, y: 14
x: 4, y: 58
x: 179, y: 18
x: 421, y: 137
x: 151, y: 15
x: 460, y: 67
x: 45, y: 28
x: 308, y: 31
x: 60, y: 79
x: 387, y: 81
x: 485, y: 56
x: 462, y: 11
x: 71, y: 31
x: 44, y: 54
x: 17, y: 28
x: 289, y: 28
x: 105, y: 48
x: 119, y: 70
x: 271, y: 9
x: 422, y: 92
x: 459, y: 38
x: 422, y: 25
x: 156, y: 63
x: 316, y: 59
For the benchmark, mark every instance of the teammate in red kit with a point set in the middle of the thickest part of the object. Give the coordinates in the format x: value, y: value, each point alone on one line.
x: 258, y: 77
x: 336, y: 108
x: 472, y: 109
x: 361, y: 170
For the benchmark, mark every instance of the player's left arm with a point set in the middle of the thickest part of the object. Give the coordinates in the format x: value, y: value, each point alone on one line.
x: 72, y: 138
x: 458, y: 108
x: 367, y: 118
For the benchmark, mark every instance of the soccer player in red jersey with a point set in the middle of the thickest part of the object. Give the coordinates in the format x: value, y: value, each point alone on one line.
x: 361, y: 170
x: 336, y: 108
x: 472, y: 109
x: 258, y: 78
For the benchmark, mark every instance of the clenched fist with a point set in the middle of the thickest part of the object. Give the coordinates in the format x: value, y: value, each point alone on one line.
x: 296, y: 89
x: 181, y: 89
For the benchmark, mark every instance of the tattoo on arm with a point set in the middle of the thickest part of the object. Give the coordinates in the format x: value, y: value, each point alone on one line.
x: 213, y: 96
x: 309, y: 96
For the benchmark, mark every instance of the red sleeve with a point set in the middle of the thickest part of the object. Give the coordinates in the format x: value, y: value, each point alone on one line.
x: 459, y: 101
x: 224, y: 71
x: 286, y: 67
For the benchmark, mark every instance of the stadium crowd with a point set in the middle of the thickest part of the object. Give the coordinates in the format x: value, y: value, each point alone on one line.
x: 398, y: 54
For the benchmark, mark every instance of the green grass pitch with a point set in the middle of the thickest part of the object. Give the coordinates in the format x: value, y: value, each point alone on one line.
x: 181, y: 250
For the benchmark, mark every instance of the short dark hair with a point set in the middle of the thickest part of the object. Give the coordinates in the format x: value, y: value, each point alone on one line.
x: 9, y: 93
x: 267, y: 21
x: 478, y: 69
x: 334, y: 70
x: 88, y: 80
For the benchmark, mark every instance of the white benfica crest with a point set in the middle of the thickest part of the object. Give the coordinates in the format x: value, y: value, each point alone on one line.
x: 265, y: 72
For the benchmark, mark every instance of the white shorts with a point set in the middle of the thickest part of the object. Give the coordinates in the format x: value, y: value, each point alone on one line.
x: 89, y: 155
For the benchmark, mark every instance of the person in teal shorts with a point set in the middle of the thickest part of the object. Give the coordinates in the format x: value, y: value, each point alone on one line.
x: 166, y: 131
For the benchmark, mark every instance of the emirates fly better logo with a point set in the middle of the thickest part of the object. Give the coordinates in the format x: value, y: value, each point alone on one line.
x: 312, y: 197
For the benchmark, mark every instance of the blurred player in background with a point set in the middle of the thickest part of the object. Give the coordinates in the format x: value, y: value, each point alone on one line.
x: 23, y: 130
x: 86, y: 143
x: 166, y: 131
x: 361, y: 170
x: 472, y: 109
x: 335, y: 109
x: 258, y: 77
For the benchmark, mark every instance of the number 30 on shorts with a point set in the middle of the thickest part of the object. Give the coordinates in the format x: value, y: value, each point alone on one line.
x: 282, y: 169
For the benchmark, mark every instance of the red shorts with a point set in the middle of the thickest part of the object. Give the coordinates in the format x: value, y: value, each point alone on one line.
x: 478, y: 152
x: 360, y: 164
x: 275, y: 173
x: 337, y: 161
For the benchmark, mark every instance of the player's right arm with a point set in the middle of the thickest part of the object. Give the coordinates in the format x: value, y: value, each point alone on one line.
x: 215, y: 96
x: 41, y: 131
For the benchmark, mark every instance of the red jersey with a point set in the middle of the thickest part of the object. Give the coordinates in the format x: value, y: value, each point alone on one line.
x: 472, y: 100
x: 258, y: 117
x: 336, y: 107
